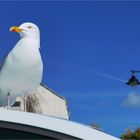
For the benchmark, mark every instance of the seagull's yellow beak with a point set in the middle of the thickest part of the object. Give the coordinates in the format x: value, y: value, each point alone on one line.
x: 16, y: 29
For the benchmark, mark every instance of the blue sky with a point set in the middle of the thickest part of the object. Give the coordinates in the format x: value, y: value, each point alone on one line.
x: 88, y: 49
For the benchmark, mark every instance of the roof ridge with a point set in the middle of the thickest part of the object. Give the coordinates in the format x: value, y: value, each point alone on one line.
x: 45, y: 86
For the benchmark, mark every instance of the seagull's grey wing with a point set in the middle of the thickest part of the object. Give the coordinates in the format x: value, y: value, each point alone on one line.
x: 3, y: 61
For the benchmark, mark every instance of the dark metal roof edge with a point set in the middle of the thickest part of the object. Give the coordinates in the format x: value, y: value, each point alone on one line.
x: 35, y: 130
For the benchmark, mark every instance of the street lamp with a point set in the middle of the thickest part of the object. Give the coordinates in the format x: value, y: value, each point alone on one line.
x: 133, y: 81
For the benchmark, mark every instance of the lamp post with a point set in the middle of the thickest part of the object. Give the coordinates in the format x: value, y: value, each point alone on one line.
x: 8, y: 100
x: 133, y: 81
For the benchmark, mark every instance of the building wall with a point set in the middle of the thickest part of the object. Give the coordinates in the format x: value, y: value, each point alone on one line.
x: 45, y: 101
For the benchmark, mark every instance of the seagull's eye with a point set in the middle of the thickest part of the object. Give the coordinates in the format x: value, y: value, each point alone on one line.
x: 29, y: 26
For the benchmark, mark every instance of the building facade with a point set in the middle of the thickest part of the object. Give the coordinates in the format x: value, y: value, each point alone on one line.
x: 43, y: 101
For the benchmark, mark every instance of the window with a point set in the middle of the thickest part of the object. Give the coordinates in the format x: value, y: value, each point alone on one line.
x: 6, y: 133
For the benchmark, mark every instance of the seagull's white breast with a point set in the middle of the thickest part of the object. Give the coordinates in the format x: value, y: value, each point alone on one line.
x: 22, y: 68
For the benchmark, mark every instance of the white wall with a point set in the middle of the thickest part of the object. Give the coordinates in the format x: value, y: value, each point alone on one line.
x: 44, y: 101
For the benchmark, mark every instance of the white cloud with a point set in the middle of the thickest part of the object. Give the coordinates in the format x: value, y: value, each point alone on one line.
x: 132, y: 100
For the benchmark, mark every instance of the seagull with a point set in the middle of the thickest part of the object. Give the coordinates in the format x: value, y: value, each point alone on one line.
x: 22, y: 68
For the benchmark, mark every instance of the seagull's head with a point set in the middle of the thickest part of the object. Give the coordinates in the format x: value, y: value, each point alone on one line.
x: 27, y: 30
